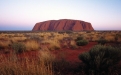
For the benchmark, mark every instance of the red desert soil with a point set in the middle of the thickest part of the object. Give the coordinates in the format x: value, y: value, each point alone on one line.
x: 71, y: 55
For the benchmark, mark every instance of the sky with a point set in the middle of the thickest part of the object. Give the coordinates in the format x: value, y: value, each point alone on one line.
x: 23, y: 14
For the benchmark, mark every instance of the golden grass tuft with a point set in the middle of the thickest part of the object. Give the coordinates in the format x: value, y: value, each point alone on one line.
x: 18, y: 39
x: 25, y: 65
x: 32, y: 45
x: 54, y: 45
x: 110, y: 38
x: 47, y: 56
x: 73, y: 45
x: 4, y: 44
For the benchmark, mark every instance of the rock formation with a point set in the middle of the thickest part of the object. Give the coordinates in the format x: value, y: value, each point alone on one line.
x: 62, y: 25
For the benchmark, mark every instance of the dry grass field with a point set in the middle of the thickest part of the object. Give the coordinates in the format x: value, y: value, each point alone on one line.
x: 48, y: 53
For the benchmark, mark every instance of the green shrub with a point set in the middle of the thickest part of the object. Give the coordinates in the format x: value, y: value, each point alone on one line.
x: 18, y: 47
x: 79, y: 38
x: 100, y: 58
x: 81, y: 42
x: 61, y: 65
x: 102, y: 41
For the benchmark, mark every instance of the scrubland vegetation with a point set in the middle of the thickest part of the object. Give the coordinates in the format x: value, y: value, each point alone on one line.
x: 32, y: 53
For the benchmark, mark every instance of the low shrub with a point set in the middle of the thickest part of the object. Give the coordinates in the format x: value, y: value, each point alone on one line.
x: 61, y: 65
x: 35, y: 37
x: 18, y: 47
x: 102, y: 41
x: 116, y: 38
x: 100, y: 58
x: 79, y: 38
x: 81, y: 42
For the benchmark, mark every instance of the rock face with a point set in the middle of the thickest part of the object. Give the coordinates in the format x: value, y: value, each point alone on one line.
x: 62, y: 25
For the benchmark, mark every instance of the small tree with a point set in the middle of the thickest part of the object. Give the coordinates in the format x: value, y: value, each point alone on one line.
x: 100, y: 58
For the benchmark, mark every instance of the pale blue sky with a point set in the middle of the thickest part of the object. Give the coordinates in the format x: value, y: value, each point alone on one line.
x: 23, y: 14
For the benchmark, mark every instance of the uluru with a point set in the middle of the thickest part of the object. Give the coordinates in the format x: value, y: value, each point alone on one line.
x: 63, y: 25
